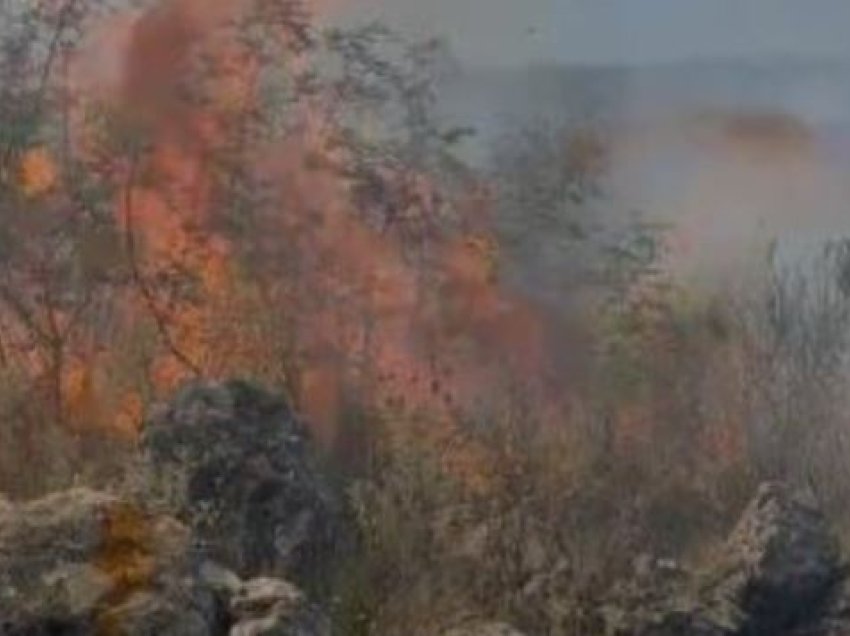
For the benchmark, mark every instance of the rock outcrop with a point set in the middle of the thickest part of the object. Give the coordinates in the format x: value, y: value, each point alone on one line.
x: 781, y: 562
x: 228, y: 507
x: 233, y: 463
x: 778, y: 573
x: 272, y: 607
x: 231, y: 505
x: 263, y: 606
x: 82, y: 562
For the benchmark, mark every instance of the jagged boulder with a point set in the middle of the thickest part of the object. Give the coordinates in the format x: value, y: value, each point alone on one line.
x: 263, y: 606
x: 83, y: 562
x: 781, y: 562
x: 273, y: 607
x: 777, y: 574
x: 238, y: 502
x: 233, y: 462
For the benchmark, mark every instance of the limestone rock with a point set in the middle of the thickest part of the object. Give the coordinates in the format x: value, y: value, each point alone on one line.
x: 778, y: 571
x: 78, y: 561
x: 781, y: 561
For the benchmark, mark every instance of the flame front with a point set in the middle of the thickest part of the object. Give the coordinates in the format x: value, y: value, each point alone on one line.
x: 352, y: 313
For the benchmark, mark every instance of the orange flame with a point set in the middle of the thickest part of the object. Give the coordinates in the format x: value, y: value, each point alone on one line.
x: 436, y: 336
x: 38, y: 172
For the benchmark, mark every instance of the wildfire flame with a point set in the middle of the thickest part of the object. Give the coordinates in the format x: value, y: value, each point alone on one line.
x: 437, y: 336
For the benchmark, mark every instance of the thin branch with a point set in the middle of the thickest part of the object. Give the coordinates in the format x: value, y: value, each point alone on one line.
x: 147, y: 294
x: 23, y: 313
x: 62, y: 24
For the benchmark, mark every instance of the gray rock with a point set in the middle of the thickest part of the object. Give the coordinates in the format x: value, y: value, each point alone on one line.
x: 781, y: 562
x: 144, y: 613
x: 273, y: 607
x: 219, y: 579
x: 233, y: 462
x: 259, y: 596
x: 777, y: 574
x: 81, y: 562
x: 483, y: 629
x: 229, y: 469
x: 835, y: 620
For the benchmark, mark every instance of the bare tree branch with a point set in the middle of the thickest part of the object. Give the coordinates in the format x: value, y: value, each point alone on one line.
x: 146, y: 293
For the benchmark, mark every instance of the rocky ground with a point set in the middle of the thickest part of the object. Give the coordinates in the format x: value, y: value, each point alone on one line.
x: 231, y: 529
x: 227, y: 502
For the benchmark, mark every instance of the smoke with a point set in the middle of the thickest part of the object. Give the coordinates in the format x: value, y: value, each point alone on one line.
x: 731, y: 183
x: 730, y: 155
x: 723, y: 168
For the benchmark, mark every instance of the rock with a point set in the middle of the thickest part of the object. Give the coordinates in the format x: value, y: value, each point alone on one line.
x: 233, y: 462
x: 662, y: 603
x: 483, y: 629
x: 835, y: 620
x: 781, y: 562
x: 229, y: 469
x: 273, y: 607
x: 144, y: 613
x: 81, y: 562
x: 778, y: 573
x: 219, y: 579
x: 263, y: 606
x: 258, y: 596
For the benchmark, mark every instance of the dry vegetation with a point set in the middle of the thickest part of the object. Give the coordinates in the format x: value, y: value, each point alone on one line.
x: 262, y: 199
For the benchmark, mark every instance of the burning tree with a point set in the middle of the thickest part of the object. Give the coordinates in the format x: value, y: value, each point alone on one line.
x: 240, y: 193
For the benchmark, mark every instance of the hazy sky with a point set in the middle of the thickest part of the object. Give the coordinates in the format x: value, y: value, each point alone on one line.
x: 499, y: 32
